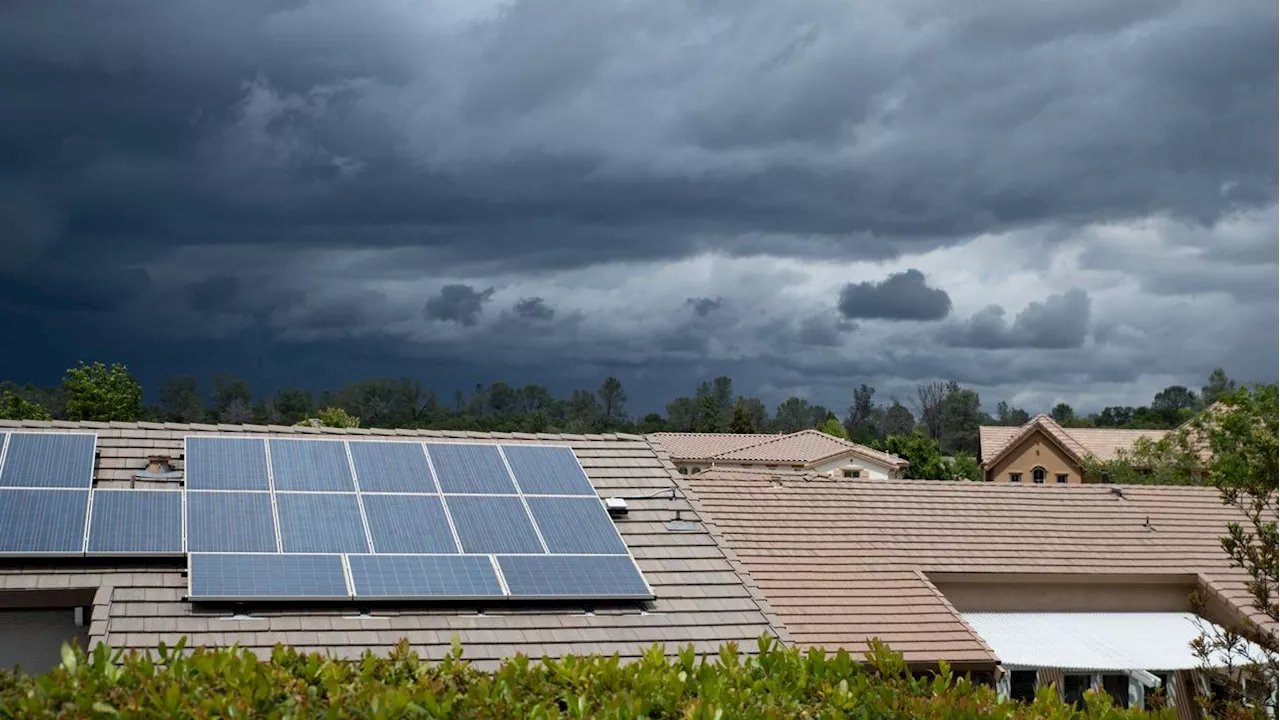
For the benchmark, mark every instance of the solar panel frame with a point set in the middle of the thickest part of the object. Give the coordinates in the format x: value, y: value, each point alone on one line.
x: 396, y: 526
x: 395, y: 475
x: 470, y: 468
x: 543, y: 470
x: 54, y: 529
x: 525, y: 580
x: 493, y: 524
x: 408, y: 576
x: 245, y: 478
x: 297, y: 465
x: 275, y: 570
x: 201, y: 522
x: 99, y: 503
x: 321, y: 523
x: 72, y: 464
x: 576, y: 526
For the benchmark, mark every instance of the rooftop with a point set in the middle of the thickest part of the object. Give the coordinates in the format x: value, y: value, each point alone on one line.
x: 805, y: 447
x: 1102, y: 443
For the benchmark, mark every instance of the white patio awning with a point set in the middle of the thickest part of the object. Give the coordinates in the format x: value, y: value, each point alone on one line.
x: 1119, y: 641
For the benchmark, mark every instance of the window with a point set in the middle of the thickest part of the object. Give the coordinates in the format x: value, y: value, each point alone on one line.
x: 1037, y: 476
x: 1062, y: 478
x: 695, y: 469
x: 1073, y: 688
x: 1022, y: 685
x: 684, y: 470
x: 852, y: 473
x: 770, y: 467
x: 1015, y: 477
x: 1117, y: 686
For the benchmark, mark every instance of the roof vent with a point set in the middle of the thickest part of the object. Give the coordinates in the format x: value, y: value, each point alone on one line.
x: 616, y: 506
x: 159, y: 467
x: 1118, y: 493
x: 680, y: 524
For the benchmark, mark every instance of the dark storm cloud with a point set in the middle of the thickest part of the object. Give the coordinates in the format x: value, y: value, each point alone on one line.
x: 461, y: 304
x: 704, y: 306
x: 1059, y: 322
x: 901, y: 296
x: 534, y: 308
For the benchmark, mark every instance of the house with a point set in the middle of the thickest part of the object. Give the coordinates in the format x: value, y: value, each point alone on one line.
x: 1043, y: 452
x: 1073, y: 585
x: 137, y: 603
x: 809, y: 450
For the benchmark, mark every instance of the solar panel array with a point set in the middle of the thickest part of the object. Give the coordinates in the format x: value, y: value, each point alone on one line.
x: 277, y: 518
x: 286, y: 518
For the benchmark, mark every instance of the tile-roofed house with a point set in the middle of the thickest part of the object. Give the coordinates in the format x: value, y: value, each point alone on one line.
x: 1042, y: 451
x: 701, y: 597
x: 804, y: 450
x: 843, y: 561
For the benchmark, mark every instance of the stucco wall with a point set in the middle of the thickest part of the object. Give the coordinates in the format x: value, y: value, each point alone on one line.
x: 33, y: 638
x: 1035, y: 451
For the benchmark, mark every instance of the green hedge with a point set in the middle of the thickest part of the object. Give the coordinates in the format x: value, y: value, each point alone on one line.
x: 775, y: 683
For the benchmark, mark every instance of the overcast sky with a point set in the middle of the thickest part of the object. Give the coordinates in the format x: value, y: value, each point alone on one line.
x: 1045, y: 200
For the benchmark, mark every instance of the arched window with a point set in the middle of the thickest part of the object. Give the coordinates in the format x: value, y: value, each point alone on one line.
x: 1037, y: 476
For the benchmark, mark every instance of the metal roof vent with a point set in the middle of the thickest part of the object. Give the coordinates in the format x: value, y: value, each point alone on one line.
x: 1118, y: 493
x: 159, y: 467
x: 616, y: 506
x: 680, y: 524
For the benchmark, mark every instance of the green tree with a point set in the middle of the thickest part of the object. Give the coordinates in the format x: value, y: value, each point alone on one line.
x: 336, y: 417
x: 227, y: 389
x: 101, y: 393
x: 757, y: 418
x: 793, y: 415
x: 682, y: 414
x: 15, y: 407
x: 582, y: 412
x: 1062, y: 413
x: 1219, y: 384
x: 651, y: 423
x: 292, y: 405
x: 535, y: 397
x: 930, y: 398
x: 613, y: 400
x: 709, y: 414
x: 502, y: 400
x: 1174, y: 404
x: 960, y: 417
x: 1114, y: 416
x: 898, y: 420
x: 180, y: 400
x: 861, y: 411
x: 919, y: 450
x: 741, y: 420
x: 834, y: 428
x: 964, y: 466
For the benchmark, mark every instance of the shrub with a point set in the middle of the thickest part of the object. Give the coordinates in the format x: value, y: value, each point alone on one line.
x: 775, y: 683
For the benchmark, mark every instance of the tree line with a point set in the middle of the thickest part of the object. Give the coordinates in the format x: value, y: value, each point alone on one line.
x: 936, y: 429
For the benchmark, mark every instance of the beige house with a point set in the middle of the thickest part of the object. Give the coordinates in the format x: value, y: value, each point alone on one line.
x: 1044, y: 452
x: 808, y: 450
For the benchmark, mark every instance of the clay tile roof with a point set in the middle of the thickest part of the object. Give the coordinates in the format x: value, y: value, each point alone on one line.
x: 805, y: 447
x: 841, y: 561
x: 703, y: 597
x: 1102, y: 443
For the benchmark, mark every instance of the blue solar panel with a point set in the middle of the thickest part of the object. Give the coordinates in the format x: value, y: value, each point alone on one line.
x: 576, y: 525
x: 408, y: 524
x: 42, y: 521
x: 392, y: 467
x: 215, y: 463
x: 319, y: 465
x: 266, y: 577
x: 230, y: 522
x: 48, y: 460
x: 141, y: 522
x: 415, y: 576
x: 493, y: 525
x: 470, y: 469
x: 567, y: 576
x: 323, y: 523
x: 547, y: 470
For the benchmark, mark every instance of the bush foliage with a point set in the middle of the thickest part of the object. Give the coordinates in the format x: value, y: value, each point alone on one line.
x: 775, y: 683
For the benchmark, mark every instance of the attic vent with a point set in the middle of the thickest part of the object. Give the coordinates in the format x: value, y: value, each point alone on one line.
x: 159, y: 467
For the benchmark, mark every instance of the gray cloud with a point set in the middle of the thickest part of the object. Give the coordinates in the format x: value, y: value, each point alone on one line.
x: 534, y: 308
x: 901, y: 296
x: 457, y: 303
x: 1059, y: 322
x: 703, y: 306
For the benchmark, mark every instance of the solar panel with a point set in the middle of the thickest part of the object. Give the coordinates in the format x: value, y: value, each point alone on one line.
x: 417, y: 576
x: 470, y: 469
x: 601, y: 577
x: 392, y: 467
x: 547, y: 470
x: 215, y: 463
x: 48, y: 460
x: 320, y: 523
x: 493, y: 525
x: 576, y: 526
x: 137, y: 522
x: 318, y: 465
x: 230, y: 522
x: 408, y: 524
x: 42, y: 521
x: 266, y: 577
